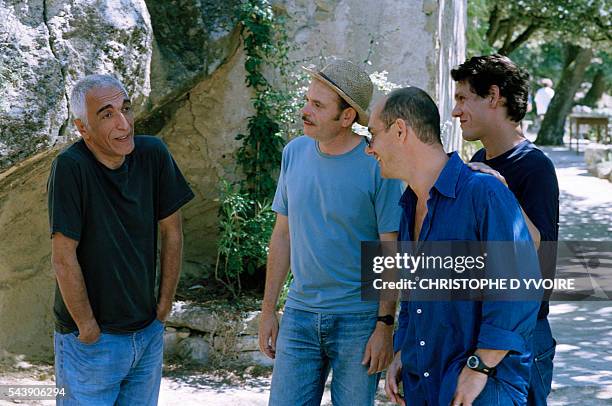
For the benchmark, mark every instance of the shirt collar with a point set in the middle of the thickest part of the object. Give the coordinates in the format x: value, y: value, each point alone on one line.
x: 446, y: 183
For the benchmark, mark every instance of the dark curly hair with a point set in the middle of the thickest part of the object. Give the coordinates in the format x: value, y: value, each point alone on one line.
x: 482, y: 72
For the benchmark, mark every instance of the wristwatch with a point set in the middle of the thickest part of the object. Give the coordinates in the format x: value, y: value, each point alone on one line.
x: 476, y: 364
x: 388, y: 319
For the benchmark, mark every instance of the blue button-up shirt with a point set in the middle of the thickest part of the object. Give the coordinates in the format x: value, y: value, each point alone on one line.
x: 436, y: 338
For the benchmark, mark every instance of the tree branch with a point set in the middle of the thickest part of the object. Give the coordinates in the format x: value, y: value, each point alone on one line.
x: 522, y: 38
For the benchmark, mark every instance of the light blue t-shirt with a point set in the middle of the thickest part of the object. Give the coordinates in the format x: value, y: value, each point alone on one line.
x: 333, y: 202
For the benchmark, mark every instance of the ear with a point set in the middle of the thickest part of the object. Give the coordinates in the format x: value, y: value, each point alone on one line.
x: 403, y: 129
x: 80, y: 125
x: 348, y: 116
x: 494, y: 96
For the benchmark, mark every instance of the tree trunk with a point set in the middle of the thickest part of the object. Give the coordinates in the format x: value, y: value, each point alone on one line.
x: 598, y: 87
x: 576, y: 62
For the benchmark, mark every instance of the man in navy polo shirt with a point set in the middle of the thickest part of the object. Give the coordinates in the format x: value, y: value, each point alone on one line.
x: 453, y: 352
x: 491, y: 100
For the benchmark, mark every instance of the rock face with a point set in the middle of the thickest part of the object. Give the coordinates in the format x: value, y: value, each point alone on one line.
x: 26, y: 280
x: 182, y: 63
x: 46, y: 47
x: 32, y: 102
x: 416, y: 42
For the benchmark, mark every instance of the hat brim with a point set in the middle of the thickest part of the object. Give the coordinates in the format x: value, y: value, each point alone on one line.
x: 362, y: 115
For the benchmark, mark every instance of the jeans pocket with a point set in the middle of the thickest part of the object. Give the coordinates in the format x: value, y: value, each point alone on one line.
x: 75, y: 334
x: 544, y: 365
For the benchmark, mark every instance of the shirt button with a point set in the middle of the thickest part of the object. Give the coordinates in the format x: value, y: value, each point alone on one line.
x: 419, y: 311
x: 426, y: 374
x: 422, y: 343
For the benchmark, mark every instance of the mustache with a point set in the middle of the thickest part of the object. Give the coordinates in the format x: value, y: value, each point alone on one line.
x: 304, y: 118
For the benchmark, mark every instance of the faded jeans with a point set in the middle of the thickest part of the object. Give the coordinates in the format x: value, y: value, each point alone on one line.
x: 309, y: 345
x: 118, y: 369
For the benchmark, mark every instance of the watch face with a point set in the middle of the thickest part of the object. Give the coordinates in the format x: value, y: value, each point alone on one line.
x: 472, y: 361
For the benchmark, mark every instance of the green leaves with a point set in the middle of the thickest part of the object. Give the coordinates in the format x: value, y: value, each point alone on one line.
x: 245, y: 215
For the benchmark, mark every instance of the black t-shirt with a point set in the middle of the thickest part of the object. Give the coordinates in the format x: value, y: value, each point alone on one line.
x: 113, y: 214
x: 531, y: 176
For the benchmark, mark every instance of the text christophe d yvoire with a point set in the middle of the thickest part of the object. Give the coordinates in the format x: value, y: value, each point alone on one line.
x: 458, y: 265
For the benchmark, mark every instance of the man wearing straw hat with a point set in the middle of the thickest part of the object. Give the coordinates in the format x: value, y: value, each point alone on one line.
x: 330, y: 197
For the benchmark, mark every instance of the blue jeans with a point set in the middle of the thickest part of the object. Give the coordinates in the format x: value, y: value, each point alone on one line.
x: 543, y: 346
x: 308, y: 345
x: 118, y: 369
x: 493, y: 394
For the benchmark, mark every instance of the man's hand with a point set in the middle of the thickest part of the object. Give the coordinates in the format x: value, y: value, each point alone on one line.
x: 479, y: 166
x: 394, y: 373
x: 163, y: 310
x: 469, y: 386
x: 268, y: 331
x: 89, y: 332
x: 379, y: 350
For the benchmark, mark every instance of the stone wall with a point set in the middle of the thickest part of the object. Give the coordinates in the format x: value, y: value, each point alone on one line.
x: 182, y: 62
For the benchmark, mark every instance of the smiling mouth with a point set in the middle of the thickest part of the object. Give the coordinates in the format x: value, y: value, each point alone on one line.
x: 123, y: 138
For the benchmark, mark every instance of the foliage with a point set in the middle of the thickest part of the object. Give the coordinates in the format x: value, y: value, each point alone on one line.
x: 245, y: 227
x: 265, y: 44
x: 245, y: 216
x: 509, y: 24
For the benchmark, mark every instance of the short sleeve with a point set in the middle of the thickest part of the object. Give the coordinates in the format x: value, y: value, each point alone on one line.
x: 386, y: 205
x: 173, y: 192
x: 64, y: 198
x: 280, y: 204
x: 540, y: 200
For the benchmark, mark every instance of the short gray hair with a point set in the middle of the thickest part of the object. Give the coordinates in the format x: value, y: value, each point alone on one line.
x: 84, y: 85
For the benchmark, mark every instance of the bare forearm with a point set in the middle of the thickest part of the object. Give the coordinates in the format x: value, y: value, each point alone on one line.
x: 74, y: 292
x: 171, y: 256
x: 491, y: 357
x: 276, y: 270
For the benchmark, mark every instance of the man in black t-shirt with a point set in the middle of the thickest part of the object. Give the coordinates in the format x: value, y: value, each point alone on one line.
x: 491, y: 99
x: 109, y: 193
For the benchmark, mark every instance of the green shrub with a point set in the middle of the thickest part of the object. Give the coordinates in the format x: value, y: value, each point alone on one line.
x: 245, y: 227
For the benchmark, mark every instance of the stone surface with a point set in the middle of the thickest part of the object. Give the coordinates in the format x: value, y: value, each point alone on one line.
x: 33, y: 104
x: 194, y: 349
x: 596, y: 153
x: 256, y: 358
x: 201, y: 136
x: 46, y: 47
x: 604, y: 170
x: 416, y: 42
x: 171, y: 341
x: 26, y: 279
x: 193, y: 317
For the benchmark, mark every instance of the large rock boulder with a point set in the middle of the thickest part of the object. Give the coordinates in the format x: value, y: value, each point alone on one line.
x: 46, y: 47
x: 595, y: 154
x: 26, y: 279
x: 33, y: 106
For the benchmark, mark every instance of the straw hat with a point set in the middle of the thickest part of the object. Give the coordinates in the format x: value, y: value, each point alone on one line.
x: 350, y: 82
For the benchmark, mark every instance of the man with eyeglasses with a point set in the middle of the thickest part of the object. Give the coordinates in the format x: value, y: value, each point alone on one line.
x: 330, y: 197
x: 455, y: 352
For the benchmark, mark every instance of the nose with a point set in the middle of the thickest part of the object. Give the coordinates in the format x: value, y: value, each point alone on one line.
x: 456, y: 111
x: 122, y: 122
x: 306, y: 110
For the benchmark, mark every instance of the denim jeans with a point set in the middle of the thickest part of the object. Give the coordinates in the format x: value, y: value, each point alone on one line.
x: 493, y: 394
x: 543, y: 346
x: 118, y: 369
x: 309, y: 345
